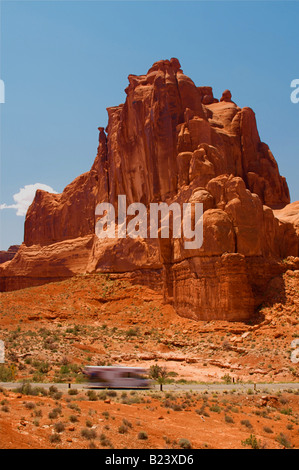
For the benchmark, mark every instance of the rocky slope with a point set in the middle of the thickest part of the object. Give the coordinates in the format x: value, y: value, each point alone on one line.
x: 172, y: 141
x: 101, y: 319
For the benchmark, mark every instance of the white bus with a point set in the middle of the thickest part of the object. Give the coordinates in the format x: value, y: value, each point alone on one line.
x: 116, y: 377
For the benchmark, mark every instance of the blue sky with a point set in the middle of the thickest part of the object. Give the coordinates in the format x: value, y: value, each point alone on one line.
x: 64, y: 62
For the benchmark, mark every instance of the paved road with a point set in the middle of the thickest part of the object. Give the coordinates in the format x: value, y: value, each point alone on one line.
x: 178, y: 387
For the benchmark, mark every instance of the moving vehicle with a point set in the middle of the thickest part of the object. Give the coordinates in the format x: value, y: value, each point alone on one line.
x: 116, y: 377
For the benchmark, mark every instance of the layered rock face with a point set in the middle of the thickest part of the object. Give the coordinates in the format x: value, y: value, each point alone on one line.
x: 7, y: 255
x: 171, y: 141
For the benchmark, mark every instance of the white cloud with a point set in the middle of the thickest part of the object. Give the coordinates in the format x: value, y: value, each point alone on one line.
x: 25, y: 196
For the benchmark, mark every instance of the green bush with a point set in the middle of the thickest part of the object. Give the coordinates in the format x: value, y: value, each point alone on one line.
x: 252, y: 442
x: 227, y: 379
x: 215, y: 408
x: 6, y: 373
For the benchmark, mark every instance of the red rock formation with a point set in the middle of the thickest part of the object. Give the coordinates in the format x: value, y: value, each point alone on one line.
x: 9, y: 254
x: 170, y: 141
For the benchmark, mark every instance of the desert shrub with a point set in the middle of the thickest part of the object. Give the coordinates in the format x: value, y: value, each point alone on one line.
x: 127, y: 423
x: 234, y: 409
x: 142, y: 435
x: 55, y: 438
x: 88, y: 433
x: 284, y: 441
x: 132, y: 332
x: 64, y: 369
x: 64, y: 361
x: 102, y: 395
x: 27, y: 389
x: 228, y: 419
x: 92, y: 396
x: 6, y: 373
x: 88, y: 423
x: 176, y: 407
x: 131, y: 400
x: 185, y: 444
x: 283, y: 400
x: 246, y: 423
x: 57, y: 395
x: 73, y: 391
x: 104, y: 441
x: 268, y: 430
x: 227, y: 379
x: 58, y: 409
x: 5, y: 409
x: 59, y: 427
x: 123, y: 429
x: 53, y: 389
x: 74, y: 406
x: 41, y: 367
x: 30, y: 405
x: 53, y: 414
x: 73, y: 418
x: 215, y: 408
x: 252, y: 442
x: 201, y: 411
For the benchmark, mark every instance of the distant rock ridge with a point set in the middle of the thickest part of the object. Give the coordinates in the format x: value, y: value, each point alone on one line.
x: 171, y: 141
x: 7, y: 255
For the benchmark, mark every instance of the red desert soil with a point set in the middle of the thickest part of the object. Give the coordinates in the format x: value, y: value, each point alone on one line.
x: 164, y: 420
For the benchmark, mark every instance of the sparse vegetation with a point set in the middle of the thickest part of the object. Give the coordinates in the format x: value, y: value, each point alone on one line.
x: 246, y: 423
x: 56, y: 349
x: 55, y: 438
x: 185, y: 444
x: 284, y: 440
x: 142, y: 435
x: 252, y: 441
x: 88, y: 433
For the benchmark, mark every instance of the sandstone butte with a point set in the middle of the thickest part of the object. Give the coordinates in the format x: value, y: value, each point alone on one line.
x: 172, y: 141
